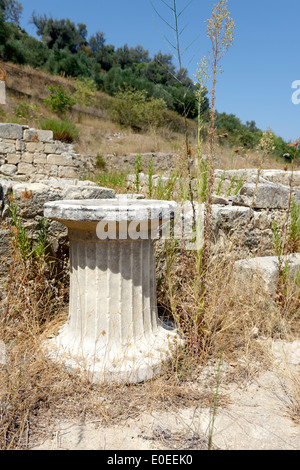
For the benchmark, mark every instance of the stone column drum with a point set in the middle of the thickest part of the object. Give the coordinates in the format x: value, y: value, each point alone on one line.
x: 113, y: 330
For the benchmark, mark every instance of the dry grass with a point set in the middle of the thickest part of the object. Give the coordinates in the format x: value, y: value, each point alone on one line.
x: 102, y: 136
x: 294, y: 397
x: 233, y: 325
x: 35, y: 391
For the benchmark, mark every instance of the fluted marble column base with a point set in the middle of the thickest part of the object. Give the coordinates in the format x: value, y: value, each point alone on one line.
x: 113, y: 331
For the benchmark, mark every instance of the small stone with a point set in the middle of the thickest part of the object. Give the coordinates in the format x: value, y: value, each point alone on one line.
x: 2, y: 353
x: 219, y: 200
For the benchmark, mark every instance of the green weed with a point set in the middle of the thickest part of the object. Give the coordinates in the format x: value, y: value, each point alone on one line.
x: 65, y: 130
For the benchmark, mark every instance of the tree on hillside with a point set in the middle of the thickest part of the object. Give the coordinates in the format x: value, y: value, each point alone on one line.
x: 3, y: 32
x: 12, y: 10
x: 62, y: 34
x: 97, y: 42
x: 130, y: 56
x: 227, y: 122
x: 251, y: 126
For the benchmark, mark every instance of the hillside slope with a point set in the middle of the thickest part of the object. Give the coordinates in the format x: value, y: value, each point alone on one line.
x: 98, y: 133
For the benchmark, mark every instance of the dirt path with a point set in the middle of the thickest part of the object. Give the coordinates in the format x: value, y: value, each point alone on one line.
x: 257, y: 417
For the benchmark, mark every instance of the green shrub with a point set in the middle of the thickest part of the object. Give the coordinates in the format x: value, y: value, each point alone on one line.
x: 100, y: 162
x: 85, y: 91
x: 134, y: 109
x: 65, y: 130
x: 112, y: 179
x: 26, y: 111
x: 59, y: 100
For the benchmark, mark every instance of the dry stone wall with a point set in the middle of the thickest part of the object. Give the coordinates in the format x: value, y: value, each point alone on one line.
x: 245, y: 206
x: 162, y: 162
x: 28, y: 154
x: 31, y: 154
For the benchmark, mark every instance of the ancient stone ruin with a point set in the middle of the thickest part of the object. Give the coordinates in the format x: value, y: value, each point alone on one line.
x: 41, y: 174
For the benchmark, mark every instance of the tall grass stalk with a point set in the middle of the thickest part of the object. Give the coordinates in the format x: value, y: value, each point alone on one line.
x: 220, y: 29
x: 137, y: 170
x: 202, y: 79
x: 216, y: 404
x: 176, y: 49
x: 150, y: 177
x: 265, y: 146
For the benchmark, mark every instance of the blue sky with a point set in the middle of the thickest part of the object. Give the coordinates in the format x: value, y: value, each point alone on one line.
x: 258, y: 70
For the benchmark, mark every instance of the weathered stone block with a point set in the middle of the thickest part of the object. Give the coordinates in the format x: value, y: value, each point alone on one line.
x: 45, y: 136
x: 51, y: 170
x: 20, y: 145
x: 55, y: 147
x: 266, y: 196
x: 27, y: 157
x: 25, y: 169
x: 282, y: 177
x: 88, y: 192
x: 34, y: 135
x: 30, y: 135
x: 67, y: 172
x: 265, y: 271
x: 7, y: 148
x: 9, y: 141
x: 61, y: 160
x: 35, y: 147
x: 31, y: 197
x: 44, y: 171
x: 39, y: 158
x: 8, y: 170
x: 13, y: 159
x: 11, y: 131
